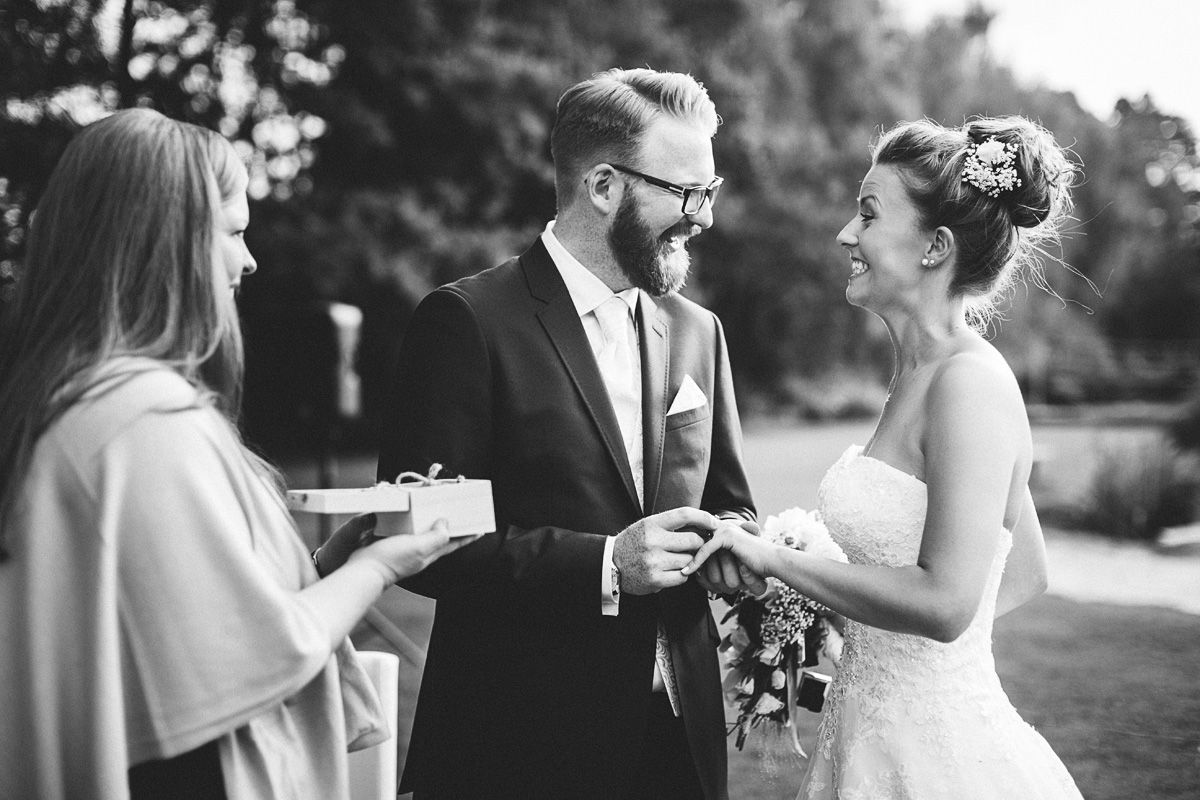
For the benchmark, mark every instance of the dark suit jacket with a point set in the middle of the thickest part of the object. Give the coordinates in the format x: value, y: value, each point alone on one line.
x: 529, y: 691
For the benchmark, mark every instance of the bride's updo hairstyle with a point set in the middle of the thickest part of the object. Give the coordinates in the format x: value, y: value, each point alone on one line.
x: 1001, y: 185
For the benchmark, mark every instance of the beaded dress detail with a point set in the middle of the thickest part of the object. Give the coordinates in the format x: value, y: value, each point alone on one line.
x: 909, y: 718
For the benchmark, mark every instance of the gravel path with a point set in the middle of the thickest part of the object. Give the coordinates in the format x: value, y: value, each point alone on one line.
x: 1095, y: 570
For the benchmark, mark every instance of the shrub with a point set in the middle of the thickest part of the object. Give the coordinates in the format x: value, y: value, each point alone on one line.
x: 839, y: 394
x: 1138, y: 491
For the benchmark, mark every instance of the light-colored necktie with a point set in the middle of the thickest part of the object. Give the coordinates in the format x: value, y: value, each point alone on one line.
x: 620, y: 366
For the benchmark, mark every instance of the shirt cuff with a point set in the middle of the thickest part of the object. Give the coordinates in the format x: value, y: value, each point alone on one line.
x: 610, y: 598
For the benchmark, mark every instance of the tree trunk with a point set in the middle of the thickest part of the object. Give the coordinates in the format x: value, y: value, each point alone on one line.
x: 124, y: 81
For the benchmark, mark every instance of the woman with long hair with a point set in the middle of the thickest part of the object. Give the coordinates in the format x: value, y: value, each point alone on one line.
x: 934, y: 513
x: 163, y: 631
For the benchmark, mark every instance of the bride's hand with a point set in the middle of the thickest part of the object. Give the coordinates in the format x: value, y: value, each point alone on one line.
x: 723, y: 574
x: 753, y: 553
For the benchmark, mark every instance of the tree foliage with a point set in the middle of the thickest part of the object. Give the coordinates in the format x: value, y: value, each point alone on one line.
x: 398, y: 144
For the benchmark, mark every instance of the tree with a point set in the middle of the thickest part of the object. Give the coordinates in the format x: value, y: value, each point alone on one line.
x: 235, y: 67
x: 398, y: 144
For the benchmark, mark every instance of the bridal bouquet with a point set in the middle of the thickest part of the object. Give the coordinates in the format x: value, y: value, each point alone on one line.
x: 777, y: 634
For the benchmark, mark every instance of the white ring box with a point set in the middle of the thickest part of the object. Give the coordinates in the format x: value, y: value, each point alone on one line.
x: 466, y: 505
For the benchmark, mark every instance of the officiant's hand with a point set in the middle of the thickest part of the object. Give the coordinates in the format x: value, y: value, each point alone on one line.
x: 723, y: 573
x: 651, y: 552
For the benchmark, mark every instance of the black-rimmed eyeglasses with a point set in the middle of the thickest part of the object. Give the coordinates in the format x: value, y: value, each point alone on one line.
x: 694, y: 197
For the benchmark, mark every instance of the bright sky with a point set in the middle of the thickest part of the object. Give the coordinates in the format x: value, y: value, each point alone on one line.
x: 1099, y: 49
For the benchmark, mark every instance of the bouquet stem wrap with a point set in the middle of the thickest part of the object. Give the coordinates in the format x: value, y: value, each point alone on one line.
x: 790, y: 671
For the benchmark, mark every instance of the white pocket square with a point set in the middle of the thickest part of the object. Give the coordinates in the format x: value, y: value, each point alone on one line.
x: 688, y: 397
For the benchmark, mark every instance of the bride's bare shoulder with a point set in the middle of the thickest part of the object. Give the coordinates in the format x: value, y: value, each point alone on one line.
x: 978, y: 367
x: 976, y: 385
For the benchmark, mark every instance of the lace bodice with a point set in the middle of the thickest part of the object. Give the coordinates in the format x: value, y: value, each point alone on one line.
x: 906, y: 716
x: 877, y: 514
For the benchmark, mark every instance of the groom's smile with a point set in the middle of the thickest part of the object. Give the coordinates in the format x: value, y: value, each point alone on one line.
x: 857, y: 267
x: 676, y: 237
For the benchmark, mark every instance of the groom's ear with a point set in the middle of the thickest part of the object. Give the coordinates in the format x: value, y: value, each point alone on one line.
x: 603, y: 190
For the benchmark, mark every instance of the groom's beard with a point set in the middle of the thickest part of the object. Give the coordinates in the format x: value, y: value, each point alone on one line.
x: 651, y: 263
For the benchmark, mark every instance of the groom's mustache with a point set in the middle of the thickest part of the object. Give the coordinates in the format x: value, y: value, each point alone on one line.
x: 684, y: 228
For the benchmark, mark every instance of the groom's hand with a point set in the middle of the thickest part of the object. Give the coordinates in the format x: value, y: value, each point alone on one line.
x: 724, y: 573
x: 651, y: 552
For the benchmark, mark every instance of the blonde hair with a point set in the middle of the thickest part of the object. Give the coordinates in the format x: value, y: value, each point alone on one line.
x: 120, y: 262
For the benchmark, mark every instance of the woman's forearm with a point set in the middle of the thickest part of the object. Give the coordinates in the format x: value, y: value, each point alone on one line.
x: 907, y: 599
x: 340, y: 599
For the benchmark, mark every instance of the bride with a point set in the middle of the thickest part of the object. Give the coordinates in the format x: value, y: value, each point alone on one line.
x: 934, y: 512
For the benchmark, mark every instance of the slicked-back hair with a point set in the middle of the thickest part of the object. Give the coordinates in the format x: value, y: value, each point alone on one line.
x: 603, y: 119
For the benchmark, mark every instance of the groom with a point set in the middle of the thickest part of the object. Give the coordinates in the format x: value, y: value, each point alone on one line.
x: 569, y: 658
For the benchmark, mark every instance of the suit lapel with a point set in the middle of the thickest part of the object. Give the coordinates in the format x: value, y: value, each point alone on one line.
x: 561, y: 323
x: 656, y: 358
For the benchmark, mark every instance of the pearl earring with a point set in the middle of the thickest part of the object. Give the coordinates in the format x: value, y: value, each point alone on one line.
x: 925, y: 262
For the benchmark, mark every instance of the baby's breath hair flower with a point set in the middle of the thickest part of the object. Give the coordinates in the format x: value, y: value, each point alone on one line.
x: 990, y: 166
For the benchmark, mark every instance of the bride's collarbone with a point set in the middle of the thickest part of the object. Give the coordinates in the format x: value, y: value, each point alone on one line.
x: 898, y: 435
x: 904, y: 420
x: 899, y: 455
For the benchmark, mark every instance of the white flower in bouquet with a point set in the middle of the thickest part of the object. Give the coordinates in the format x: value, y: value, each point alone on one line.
x: 737, y: 686
x: 767, y: 704
x: 778, y: 679
x: 739, y: 640
x: 770, y: 653
x: 802, y: 530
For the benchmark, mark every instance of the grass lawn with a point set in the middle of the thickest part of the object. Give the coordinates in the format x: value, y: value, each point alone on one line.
x: 1114, y: 689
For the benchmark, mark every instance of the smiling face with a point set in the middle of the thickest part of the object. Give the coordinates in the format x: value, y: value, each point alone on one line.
x: 233, y: 259
x: 649, y: 232
x: 886, y: 243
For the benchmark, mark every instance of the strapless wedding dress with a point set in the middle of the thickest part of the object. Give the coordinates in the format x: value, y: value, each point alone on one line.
x: 909, y: 718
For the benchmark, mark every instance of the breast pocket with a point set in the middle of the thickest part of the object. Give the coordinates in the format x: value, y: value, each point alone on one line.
x: 686, y: 449
x: 689, y: 417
